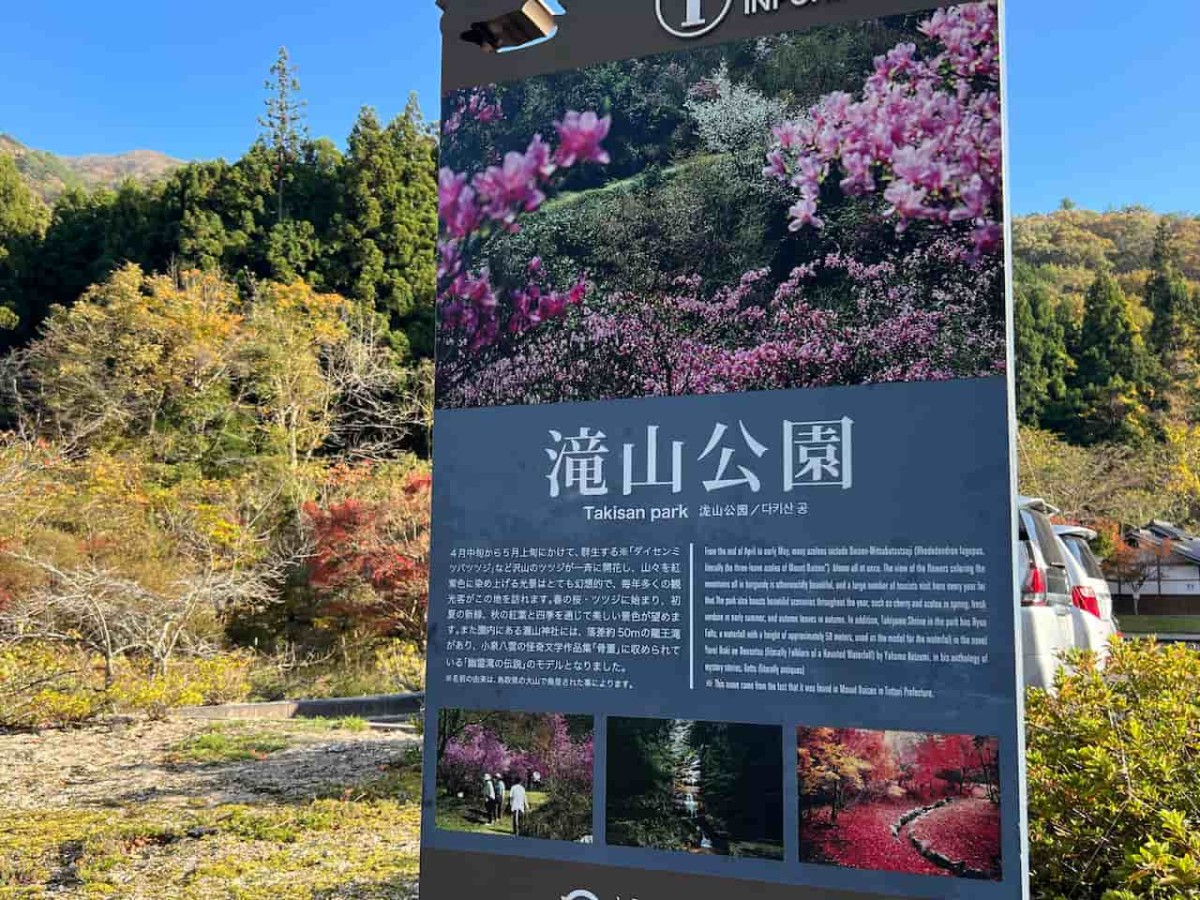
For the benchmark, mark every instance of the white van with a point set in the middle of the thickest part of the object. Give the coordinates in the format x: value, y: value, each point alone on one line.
x: 1078, y: 540
x: 1056, y: 612
x: 1046, y: 627
x: 1092, y: 630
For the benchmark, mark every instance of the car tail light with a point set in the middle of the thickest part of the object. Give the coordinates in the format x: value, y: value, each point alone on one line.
x: 1085, y: 598
x: 1034, y: 593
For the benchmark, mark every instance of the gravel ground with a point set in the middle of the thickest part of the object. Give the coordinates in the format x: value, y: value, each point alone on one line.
x: 126, y: 810
x: 130, y: 762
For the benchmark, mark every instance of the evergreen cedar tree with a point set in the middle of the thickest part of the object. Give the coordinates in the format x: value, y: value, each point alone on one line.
x: 1107, y: 324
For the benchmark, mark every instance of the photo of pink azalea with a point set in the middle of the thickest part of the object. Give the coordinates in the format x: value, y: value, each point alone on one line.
x: 810, y: 209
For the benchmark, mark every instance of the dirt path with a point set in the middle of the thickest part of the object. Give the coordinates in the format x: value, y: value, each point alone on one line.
x: 122, y: 763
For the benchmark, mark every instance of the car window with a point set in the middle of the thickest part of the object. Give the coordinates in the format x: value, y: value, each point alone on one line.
x: 1083, y: 553
x: 1046, y: 538
x: 1075, y: 572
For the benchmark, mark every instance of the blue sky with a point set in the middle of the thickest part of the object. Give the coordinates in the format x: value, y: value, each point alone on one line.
x: 1102, y: 105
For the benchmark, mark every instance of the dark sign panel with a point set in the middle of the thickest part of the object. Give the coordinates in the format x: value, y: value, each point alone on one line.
x: 722, y: 581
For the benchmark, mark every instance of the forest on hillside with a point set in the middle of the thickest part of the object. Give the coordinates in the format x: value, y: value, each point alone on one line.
x: 216, y: 388
x: 49, y: 175
x: 360, y: 222
x: 1108, y: 342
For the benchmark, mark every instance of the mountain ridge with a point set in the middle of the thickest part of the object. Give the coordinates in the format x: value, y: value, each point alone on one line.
x: 50, y: 174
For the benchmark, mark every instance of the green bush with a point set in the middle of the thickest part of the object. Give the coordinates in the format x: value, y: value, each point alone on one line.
x: 1168, y: 866
x: 51, y: 686
x: 190, y: 682
x: 1114, y: 772
x: 225, y: 744
x: 48, y: 687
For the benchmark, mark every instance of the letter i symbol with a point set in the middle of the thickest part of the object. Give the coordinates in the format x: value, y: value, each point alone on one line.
x: 695, y: 15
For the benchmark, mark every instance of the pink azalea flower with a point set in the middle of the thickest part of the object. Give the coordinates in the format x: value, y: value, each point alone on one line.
x: 929, y: 122
x: 788, y: 135
x: 908, y: 201
x: 579, y: 137
x: 470, y: 303
x: 539, y: 159
x: 776, y: 166
x: 509, y: 189
x: 975, y: 201
x: 577, y: 293
x: 457, y: 204
x: 803, y: 213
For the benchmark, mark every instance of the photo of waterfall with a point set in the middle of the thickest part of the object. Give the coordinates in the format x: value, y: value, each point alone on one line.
x: 695, y: 787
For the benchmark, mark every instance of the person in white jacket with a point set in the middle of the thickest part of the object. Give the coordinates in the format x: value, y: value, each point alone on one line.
x: 518, y: 804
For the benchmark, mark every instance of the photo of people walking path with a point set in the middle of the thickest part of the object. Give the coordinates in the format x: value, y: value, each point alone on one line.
x: 515, y: 774
x: 923, y: 804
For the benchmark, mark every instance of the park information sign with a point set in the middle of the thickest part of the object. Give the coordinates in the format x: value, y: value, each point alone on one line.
x: 722, y: 584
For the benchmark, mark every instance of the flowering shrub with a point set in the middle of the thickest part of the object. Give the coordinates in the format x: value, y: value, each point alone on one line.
x: 478, y: 105
x: 472, y: 208
x: 733, y: 118
x: 922, y: 129
x: 467, y: 758
x: 564, y: 764
x: 926, y: 128
x: 918, y: 316
x: 561, y: 761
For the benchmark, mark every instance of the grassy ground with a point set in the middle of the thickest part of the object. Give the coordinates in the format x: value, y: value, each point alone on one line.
x: 176, y: 811
x: 463, y: 815
x: 624, y: 185
x: 1160, y: 624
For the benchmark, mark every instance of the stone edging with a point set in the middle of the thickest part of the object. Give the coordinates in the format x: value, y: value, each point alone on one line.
x: 917, y: 813
x: 958, y: 867
x: 379, y: 706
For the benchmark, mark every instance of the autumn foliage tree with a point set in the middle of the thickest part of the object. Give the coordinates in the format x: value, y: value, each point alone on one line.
x: 1134, y: 564
x: 841, y: 766
x: 370, y: 563
x: 953, y: 762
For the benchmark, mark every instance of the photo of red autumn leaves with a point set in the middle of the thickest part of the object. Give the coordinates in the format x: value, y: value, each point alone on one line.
x: 922, y: 804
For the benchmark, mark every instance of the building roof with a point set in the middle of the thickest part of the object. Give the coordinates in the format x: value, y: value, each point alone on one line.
x: 1185, y: 547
